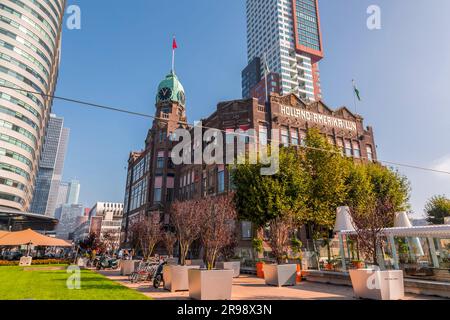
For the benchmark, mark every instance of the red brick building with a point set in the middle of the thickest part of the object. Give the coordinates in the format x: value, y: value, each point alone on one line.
x: 154, y: 182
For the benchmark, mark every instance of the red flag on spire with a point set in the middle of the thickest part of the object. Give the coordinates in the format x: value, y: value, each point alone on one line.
x: 174, y: 44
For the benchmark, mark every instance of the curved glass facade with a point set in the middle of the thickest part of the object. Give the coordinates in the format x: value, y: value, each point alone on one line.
x: 30, y: 37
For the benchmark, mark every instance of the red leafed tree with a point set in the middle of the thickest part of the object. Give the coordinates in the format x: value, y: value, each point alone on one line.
x: 186, y: 219
x: 169, y: 239
x: 369, y: 225
x: 146, y: 234
x: 218, y: 225
x: 279, y: 239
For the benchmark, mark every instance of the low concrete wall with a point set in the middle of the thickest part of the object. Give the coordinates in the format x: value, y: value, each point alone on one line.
x: 428, y: 288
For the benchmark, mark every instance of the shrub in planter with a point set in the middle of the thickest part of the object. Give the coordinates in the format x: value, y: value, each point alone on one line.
x: 257, y: 244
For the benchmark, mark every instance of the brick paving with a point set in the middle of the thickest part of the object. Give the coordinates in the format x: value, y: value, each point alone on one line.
x: 251, y: 288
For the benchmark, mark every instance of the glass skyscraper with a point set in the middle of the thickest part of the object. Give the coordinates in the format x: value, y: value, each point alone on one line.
x: 73, y: 193
x: 51, y: 168
x: 30, y: 38
x: 286, y: 34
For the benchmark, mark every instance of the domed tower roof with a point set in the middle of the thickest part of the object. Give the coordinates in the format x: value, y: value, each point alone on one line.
x: 171, y: 89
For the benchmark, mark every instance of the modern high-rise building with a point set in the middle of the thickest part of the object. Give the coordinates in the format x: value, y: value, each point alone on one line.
x: 63, y: 190
x: 73, y: 193
x: 50, y: 168
x: 30, y: 44
x: 285, y: 36
x: 68, y: 217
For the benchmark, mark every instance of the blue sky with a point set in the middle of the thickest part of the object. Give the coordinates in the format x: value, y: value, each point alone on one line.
x: 122, y: 52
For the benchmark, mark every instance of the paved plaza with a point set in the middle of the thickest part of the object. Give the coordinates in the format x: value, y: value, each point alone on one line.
x: 251, y: 288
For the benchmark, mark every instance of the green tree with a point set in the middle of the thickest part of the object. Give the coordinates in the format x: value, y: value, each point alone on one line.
x: 261, y: 199
x: 437, y: 208
x: 372, y: 182
x: 374, y: 193
x: 324, y: 175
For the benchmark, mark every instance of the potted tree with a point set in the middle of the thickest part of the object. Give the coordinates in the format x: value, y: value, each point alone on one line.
x: 146, y: 233
x: 218, y: 219
x: 373, y: 283
x: 257, y: 244
x: 296, y: 248
x: 280, y: 274
x: 187, y: 223
x: 375, y: 194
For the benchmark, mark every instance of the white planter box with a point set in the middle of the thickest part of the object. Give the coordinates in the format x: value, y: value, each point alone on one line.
x: 127, y: 267
x: 25, y: 261
x: 280, y: 275
x: 197, y: 262
x: 378, y: 285
x: 210, y: 284
x: 82, y: 262
x: 233, y: 265
x: 172, y: 261
x: 176, y: 277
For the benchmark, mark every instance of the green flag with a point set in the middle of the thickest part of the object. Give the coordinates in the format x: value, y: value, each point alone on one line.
x: 356, y: 90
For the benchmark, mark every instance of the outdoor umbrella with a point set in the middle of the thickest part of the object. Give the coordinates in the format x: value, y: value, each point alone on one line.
x: 30, y: 237
x: 3, y: 233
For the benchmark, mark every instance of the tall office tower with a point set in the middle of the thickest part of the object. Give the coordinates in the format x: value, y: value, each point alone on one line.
x: 73, y: 193
x: 50, y: 168
x: 30, y: 44
x: 286, y: 34
x: 63, y: 190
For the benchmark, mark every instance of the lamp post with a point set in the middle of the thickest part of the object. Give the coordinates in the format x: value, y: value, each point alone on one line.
x: 344, y: 222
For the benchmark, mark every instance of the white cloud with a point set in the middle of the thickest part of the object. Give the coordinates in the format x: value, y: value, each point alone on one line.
x: 442, y: 164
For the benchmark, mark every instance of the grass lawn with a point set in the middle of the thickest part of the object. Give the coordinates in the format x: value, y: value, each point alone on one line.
x: 19, y: 284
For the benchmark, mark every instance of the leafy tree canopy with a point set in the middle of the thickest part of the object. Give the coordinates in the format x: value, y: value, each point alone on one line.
x: 437, y: 208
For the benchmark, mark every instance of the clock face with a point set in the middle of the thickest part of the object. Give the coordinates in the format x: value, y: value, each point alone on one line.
x: 164, y: 94
x: 182, y: 97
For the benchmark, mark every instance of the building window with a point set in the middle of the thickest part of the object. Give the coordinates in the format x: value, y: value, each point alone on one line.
x: 369, y: 152
x: 284, y: 136
x: 348, y: 148
x: 340, y: 145
x: 169, y: 195
x: 246, y: 230
x: 294, y: 137
x: 160, y: 163
x: 221, y: 181
x: 263, y: 135
x: 303, y: 138
x: 356, y: 149
x: 157, y: 195
x: 230, y: 136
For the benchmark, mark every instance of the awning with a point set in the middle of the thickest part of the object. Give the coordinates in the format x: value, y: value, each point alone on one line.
x: 3, y: 233
x: 437, y: 231
x: 31, y: 237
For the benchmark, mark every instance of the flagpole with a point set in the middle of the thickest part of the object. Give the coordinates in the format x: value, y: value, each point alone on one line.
x: 354, y: 95
x: 173, y: 59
